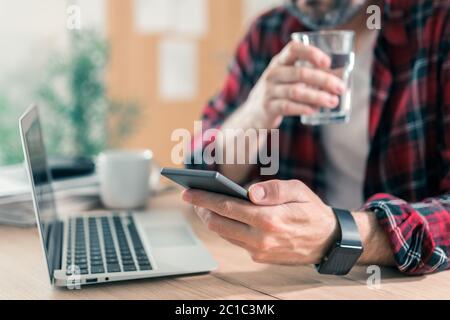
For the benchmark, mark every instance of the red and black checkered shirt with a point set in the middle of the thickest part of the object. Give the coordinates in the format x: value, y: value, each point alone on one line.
x: 407, y: 179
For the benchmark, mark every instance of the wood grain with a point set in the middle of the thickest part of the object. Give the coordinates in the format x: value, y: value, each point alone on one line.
x: 23, y: 275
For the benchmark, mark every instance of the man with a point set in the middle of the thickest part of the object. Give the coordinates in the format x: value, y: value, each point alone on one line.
x: 390, y: 164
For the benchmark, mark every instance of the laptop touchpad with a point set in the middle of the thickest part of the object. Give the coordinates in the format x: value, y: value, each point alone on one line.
x: 169, y: 236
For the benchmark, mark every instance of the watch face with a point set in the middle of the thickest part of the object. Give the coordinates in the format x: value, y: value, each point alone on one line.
x: 340, y: 260
x: 348, y: 254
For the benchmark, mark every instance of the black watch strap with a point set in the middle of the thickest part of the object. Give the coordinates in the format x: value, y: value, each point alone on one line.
x: 344, y: 254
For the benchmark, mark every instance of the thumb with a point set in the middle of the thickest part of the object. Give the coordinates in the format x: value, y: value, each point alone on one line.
x: 274, y: 192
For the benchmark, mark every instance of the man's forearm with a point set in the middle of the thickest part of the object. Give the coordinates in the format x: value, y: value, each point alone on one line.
x: 243, y: 118
x: 375, y: 242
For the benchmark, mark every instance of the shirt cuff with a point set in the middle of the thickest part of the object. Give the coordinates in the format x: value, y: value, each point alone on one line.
x: 415, y: 250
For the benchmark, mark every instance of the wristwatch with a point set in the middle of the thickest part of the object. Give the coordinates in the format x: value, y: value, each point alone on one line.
x: 344, y: 254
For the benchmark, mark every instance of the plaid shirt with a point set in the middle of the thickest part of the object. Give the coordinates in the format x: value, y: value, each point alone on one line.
x: 407, y: 179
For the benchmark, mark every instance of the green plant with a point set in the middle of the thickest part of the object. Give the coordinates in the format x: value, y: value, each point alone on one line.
x: 74, y: 91
x: 10, y: 146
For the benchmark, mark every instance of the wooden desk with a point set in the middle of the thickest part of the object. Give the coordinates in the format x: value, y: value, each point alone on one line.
x: 23, y: 275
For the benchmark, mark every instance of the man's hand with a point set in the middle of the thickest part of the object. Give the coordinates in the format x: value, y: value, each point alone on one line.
x: 285, y: 223
x: 285, y: 89
x: 288, y: 225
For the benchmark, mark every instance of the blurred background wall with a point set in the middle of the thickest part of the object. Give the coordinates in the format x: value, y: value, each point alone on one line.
x: 163, y: 60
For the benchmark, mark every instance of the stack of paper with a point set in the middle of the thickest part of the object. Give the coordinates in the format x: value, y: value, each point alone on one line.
x: 15, y: 195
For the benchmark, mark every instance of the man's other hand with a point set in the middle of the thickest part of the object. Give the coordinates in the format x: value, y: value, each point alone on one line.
x: 286, y: 89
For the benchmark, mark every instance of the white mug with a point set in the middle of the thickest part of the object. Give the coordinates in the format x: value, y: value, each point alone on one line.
x: 124, y: 178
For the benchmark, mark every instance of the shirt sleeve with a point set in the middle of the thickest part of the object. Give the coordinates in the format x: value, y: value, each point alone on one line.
x: 419, y: 233
x: 241, y: 77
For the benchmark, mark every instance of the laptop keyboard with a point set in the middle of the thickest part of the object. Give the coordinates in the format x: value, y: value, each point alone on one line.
x: 105, y: 244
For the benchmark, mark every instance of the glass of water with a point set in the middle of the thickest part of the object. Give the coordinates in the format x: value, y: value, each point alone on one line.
x: 339, y: 45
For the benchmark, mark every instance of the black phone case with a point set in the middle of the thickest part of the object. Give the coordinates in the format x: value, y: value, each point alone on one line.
x: 211, y: 181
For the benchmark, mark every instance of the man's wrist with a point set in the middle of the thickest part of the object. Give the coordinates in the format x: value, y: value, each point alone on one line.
x: 259, y: 117
x: 377, y: 249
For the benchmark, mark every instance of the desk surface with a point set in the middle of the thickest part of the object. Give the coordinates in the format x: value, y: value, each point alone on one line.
x: 23, y: 275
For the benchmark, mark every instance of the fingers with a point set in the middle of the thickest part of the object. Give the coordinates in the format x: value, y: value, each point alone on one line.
x: 293, y: 90
x: 273, y: 256
x: 225, y: 227
x: 238, y: 243
x: 290, y: 108
x: 225, y: 206
x: 275, y: 192
x: 304, y: 95
x: 313, y: 77
x: 280, y: 258
x: 297, y: 51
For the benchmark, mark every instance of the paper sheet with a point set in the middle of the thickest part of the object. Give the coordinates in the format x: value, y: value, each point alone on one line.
x: 190, y: 17
x: 178, y: 63
x: 152, y: 16
x: 186, y: 17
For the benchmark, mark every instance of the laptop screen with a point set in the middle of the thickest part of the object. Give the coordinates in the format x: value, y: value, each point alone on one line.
x: 41, y: 187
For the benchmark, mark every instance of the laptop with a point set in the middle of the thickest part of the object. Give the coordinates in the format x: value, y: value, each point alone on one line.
x: 89, y: 248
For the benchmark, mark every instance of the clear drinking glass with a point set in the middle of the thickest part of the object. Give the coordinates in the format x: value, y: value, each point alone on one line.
x: 339, y: 45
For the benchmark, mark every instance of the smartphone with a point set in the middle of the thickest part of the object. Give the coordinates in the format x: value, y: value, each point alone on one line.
x: 211, y: 181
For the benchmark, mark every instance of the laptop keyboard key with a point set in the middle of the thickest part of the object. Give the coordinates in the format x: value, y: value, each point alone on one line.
x: 97, y: 269
x: 142, y: 262
x: 145, y: 267
x: 113, y: 268
x: 129, y: 267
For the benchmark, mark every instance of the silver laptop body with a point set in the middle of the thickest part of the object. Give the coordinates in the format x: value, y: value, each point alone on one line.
x: 100, y: 247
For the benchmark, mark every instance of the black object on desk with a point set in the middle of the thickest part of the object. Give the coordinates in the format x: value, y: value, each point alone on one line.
x: 62, y: 167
